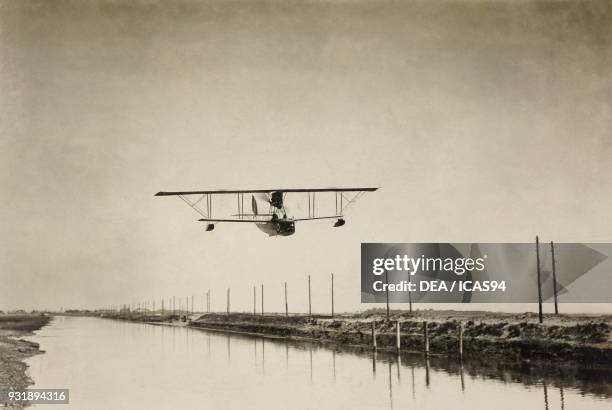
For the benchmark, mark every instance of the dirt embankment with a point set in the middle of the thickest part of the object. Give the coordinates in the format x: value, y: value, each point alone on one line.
x: 14, y: 350
x: 566, y: 351
x: 511, y: 338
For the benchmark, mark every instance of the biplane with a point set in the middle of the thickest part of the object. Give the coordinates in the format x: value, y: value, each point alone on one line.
x: 274, y: 220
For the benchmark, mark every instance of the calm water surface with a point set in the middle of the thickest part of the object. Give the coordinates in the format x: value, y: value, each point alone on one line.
x: 120, y: 365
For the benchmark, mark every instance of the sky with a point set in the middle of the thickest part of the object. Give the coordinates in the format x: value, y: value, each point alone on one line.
x: 483, y: 121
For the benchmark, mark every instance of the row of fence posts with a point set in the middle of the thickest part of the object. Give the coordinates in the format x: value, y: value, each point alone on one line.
x: 398, y: 338
x: 151, y: 305
x: 426, y: 344
x: 398, y: 344
x: 286, y: 299
x: 173, y: 308
x: 147, y: 305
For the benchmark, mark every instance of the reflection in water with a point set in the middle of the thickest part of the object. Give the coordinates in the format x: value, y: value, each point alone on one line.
x: 374, y: 363
x: 390, y: 388
x: 427, y: 370
x: 562, y: 399
x: 73, y: 360
x: 310, y: 351
x: 413, y: 389
x: 399, y: 366
x: 333, y: 362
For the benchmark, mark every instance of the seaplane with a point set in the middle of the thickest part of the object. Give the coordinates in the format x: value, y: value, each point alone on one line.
x: 274, y: 220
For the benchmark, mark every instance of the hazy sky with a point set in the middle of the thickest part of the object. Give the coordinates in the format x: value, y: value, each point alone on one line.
x: 481, y: 121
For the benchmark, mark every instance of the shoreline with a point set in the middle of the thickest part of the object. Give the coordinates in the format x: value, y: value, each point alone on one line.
x: 14, y: 350
x: 509, y: 342
x: 516, y: 339
x: 567, y: 351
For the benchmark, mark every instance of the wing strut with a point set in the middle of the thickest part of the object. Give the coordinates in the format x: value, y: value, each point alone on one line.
x: 351, y: 200
x: 194, y: 205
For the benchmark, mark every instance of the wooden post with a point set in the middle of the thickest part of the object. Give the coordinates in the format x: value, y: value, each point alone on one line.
x: 426, y: 337
x: 286, y: 304
x: 398, y: 344
x: 309, y: 299
x: 554, y: 269
x: 387, y: 291
x: 409, y: 294
x: 539, y: 281
x: 332, y: 295
x: 191, y: 305
x: 262, y: 299
x: 373, y: 335
x: 461, y: 340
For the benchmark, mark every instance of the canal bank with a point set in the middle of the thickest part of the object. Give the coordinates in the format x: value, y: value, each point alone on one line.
x: 580, y: 341
x: 566, y: 340
x: 14, y: 350
x: 178, y: 366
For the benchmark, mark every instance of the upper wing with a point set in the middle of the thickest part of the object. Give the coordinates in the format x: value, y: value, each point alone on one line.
x: 264, y: 191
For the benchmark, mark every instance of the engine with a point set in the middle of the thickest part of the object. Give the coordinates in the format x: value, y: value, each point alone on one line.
x: 276, y: 199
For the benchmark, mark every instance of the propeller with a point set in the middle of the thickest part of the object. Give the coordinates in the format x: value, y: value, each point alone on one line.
x: 268, y: 199
x: 259, y: 197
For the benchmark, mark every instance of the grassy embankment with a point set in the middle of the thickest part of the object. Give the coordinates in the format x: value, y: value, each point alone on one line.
x: 565, y: 339
x: 508, y: 337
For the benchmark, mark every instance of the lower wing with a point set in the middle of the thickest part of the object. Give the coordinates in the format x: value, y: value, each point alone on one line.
x: 319, y: 217
x: 235, y: 220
